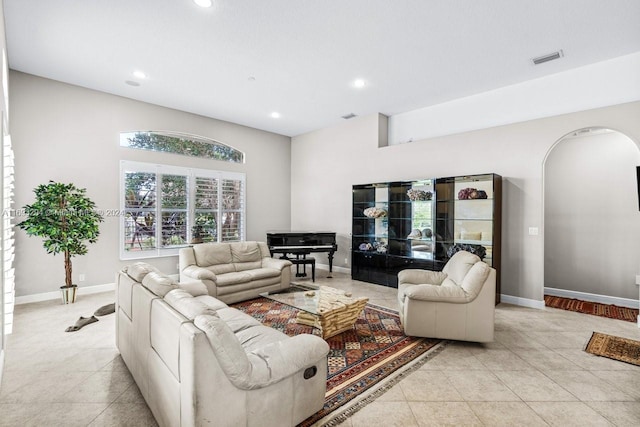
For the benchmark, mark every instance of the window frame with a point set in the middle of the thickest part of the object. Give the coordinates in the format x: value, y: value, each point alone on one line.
x: 127, y: 166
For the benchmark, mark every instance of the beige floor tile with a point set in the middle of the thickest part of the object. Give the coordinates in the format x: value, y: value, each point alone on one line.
x: 561, y: 340
x: 514, y: 339
x: 480, y: 386
x: 131, y: 395
x: 444, y: 414
x: 591, y: 362
x: 117, y: 364
x: 125, y: 415
x: 546, y: 360
x: 502, y: 360
x: 506, y: 414
x: 628, y: 382
x: 532, y: 386
x: 66, y: 414
x: 391, y: 414
x: 619, y: 413
x: 568, y: 414
x: 429, y: 386
x: 100, y: 387
x: 588, y: 387
x: 394, y: 394
x: 455, y: 357
x: 18, y: 414
x: 47, y: 386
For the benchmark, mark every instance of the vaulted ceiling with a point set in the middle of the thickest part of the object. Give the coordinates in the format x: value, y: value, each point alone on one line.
x: 242, y: 60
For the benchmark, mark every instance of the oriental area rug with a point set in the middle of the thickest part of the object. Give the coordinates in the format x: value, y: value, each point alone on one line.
x: 616, y: 348
x: 363, y: 363
x: 588, y: 307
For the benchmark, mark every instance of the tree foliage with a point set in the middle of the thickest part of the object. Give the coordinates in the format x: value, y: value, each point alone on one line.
x: 65, y: 218
x: 190, y: 146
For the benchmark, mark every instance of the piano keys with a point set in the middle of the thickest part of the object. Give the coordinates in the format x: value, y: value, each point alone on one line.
x: 302, y: 243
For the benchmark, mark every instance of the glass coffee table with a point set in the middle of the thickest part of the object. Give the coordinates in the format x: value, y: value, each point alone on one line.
x: 331, y: 310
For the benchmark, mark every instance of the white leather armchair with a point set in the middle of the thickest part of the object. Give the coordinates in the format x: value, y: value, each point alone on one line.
x: 456, y: 303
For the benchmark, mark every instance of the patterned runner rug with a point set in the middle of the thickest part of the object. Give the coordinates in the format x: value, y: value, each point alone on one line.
x: 363, y: 362
x: 616, y: 348
x: 588, y: 307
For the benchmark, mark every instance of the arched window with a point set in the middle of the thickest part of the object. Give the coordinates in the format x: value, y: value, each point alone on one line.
x: 180, y: 143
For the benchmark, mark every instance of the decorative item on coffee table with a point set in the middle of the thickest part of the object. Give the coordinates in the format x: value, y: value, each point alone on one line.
x: 331, y: 310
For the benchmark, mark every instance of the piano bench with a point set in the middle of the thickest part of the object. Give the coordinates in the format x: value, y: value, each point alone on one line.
x: 304, y: 261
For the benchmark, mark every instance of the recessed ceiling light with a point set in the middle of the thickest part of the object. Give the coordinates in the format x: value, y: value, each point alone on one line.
x: 203, y: 3
x: 275, y: 115
x: 359, y: 83
x: 139, y: 74
x: 132, y: 83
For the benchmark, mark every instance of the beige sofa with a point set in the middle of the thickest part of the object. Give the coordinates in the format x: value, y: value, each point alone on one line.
x: 199, y: 362
x: 235, y: 271
x: 456, y: 303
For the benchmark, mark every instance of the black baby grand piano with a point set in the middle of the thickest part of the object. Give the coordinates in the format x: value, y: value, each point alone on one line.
x: 300, y: 243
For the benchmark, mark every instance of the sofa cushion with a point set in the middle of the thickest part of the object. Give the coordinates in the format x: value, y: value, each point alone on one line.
x: 245, y: 252
x: 222, y: 268
x: 194, y: 288
x: 211, y: 302
x: 475, y: 278
x: 138, y: 270
x: 184, y: 303
x: 244, y: 266
x: 263, y: 273
x: 158, y: 283
x: 448, y: 291
x: 208, y: 254
x: 236, y: 319
x: 229, y: 353
x: 258, y: 336
x: 233, y: 278
x: 459, y: 265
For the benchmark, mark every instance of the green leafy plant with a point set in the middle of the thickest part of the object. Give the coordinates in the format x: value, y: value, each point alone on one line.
x: 65, y: 218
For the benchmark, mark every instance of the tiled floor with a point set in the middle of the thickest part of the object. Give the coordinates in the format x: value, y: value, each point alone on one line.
x: 535, y: 373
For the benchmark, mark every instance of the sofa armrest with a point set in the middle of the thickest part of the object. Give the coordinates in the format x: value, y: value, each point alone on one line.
x: 435, y: 293
x: 415, y: 276
x: 278, y: 264
x: 279, y: 360
x: 195, y: 272
x: 263, y: 366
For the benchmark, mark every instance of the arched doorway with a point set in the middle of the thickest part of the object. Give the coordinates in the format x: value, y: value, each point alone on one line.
x: 591, y: 217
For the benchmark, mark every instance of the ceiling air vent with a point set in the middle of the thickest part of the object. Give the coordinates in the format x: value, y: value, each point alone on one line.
x: 549, y: 57
x: 348, y: 116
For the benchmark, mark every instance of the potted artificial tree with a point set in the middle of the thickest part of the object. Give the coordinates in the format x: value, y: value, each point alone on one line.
x: 66, y: 220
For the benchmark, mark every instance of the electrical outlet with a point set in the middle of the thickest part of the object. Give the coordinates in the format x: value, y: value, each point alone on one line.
x: 81, y: 277
x: 346, y: 260
x: 533, y: 231
x: 638, y: 279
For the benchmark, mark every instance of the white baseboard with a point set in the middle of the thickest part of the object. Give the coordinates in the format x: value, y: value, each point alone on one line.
x: 523, y: 302
x: 335, y: 268
x: 46, y: 296
x: 584, y: 296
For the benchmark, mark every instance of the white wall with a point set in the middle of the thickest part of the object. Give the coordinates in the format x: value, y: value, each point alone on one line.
x: 605, y: 83
x: 71, y: 134
x: 591, y: 215
x: 327, y: 162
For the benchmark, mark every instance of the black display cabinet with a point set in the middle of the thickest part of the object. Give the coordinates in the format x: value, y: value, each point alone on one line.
x: 420, y: 224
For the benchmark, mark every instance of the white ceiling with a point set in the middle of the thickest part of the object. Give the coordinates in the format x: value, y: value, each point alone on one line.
x: 305, y: 54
